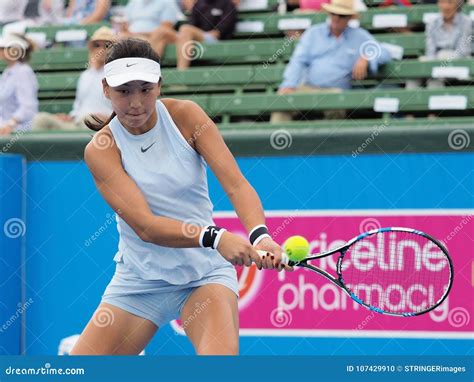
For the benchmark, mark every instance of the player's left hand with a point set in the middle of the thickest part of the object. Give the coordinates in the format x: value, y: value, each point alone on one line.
x: 359, y: 71
x: 273, y: 259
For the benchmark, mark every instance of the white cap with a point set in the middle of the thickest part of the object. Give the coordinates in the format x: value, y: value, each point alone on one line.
x: 123, y: 70
x: 13, y: 40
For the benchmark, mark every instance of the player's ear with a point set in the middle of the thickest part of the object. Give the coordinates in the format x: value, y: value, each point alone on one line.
x: 106, y: 88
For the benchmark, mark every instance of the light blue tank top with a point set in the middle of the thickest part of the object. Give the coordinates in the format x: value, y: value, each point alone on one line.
x: 172, y: 177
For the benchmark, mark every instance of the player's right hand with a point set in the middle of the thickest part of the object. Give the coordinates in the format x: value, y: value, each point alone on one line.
x: 238, y: 251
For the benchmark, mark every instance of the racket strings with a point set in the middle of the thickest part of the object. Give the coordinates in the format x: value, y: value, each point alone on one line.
x: 397, y: 272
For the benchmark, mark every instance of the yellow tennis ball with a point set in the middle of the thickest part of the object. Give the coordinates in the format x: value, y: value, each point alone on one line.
x: 296, y: 247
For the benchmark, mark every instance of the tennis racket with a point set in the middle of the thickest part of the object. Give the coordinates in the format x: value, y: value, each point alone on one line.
x: 395, y: 271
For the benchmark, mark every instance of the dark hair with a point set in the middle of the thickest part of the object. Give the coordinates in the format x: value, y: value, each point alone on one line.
x: 130, y: 47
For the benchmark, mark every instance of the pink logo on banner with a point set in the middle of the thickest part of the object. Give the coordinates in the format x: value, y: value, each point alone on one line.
x: 304, y: 303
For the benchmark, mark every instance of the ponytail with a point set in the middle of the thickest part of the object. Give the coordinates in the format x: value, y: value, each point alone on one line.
x: 97, y: 123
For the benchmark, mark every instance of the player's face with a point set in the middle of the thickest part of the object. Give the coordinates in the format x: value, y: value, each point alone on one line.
x: 133, y: 102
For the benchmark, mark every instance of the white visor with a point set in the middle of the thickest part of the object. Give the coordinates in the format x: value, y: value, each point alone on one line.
x: 123, y: 70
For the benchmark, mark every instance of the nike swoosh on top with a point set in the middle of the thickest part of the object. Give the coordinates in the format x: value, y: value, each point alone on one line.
x: 144, y: 150
x: 128, y: 65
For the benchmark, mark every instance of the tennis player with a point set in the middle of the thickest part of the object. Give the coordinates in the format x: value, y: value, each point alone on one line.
x: 149, y: 163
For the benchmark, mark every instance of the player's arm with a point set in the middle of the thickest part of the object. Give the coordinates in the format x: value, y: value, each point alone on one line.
x: 126, y: 199
x: 208, y: 142
x: 100, y: 12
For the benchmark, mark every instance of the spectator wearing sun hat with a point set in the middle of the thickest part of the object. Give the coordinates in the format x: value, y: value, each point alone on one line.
x: 329, y: 56
x: 90, y: 98
x: 18, y: 85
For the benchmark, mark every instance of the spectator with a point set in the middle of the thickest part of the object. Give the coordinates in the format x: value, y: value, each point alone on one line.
x: 50, y: 11
x: 31, y: 10
x: 89, y: 95
x: 186, y: 5
x: 144, y: 17
x: 210, y: 21
x: 18, y: 85
x: 86, y: 11
x: 330, y: 55
x: 12, y: 10
x: 449, y: 35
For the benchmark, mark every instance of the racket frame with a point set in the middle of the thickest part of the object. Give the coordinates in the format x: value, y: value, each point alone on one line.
x: 339, y: 281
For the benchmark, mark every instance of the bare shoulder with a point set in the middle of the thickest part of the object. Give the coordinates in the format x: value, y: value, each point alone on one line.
x: 102, y: 150
x: 182, y: 110
x: 173, y: 104
x: 187, y: 115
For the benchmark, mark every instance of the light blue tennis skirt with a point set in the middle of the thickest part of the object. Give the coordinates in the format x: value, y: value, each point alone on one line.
x: 157, y: 300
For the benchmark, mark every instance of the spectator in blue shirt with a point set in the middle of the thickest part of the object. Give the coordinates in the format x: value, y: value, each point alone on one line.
x: 18, y: 85
x: 330, y: 55
x: 142, y: 18
x: 86, y: 11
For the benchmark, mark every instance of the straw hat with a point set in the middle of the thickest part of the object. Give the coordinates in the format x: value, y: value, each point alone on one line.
x: 103, y: 34
x: 340, y: 7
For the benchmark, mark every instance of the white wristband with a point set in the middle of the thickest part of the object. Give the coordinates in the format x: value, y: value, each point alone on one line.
x: 260, y: 238
x: 256, y: 227
x: 218, y: 238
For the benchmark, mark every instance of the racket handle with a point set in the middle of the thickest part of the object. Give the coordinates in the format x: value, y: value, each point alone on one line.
x: 284, y: 256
